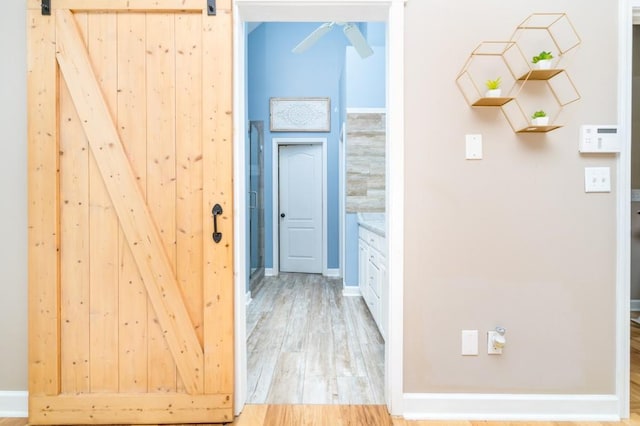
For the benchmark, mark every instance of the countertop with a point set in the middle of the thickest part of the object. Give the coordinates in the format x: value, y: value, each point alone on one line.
x: 374, y: 222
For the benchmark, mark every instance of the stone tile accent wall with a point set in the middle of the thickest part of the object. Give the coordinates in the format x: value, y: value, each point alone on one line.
x: 365, y: 159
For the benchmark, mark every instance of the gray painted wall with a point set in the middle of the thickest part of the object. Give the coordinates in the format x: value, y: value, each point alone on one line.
x: 13, y: 189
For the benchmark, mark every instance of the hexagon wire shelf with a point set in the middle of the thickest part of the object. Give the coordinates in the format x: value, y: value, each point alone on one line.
x: 536, y: 33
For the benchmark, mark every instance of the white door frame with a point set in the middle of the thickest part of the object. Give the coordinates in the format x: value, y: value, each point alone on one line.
x: 275, y: 194
x: 629, y: 11
x: 391, y: 12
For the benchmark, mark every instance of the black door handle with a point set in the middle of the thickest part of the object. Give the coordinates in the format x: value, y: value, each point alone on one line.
x: 282, y: 214
x: 217, y: 210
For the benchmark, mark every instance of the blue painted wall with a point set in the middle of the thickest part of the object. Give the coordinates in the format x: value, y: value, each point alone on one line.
x: 276, y: 72
x: 331, y: 68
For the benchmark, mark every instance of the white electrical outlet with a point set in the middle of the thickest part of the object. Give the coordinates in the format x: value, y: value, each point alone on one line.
x: 469, y: 342
x: 491, y: 348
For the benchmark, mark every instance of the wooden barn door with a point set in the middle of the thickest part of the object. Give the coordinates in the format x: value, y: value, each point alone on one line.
x: 130, y: 148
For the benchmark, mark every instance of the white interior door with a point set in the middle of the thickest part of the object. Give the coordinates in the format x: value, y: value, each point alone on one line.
x: 300, y: 194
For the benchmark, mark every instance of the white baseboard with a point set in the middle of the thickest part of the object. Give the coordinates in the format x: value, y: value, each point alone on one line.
x: 635, y: 305
x: 269, y: 272
x: 14, y: 404
x: 511, y: 407
x: 351, y: 290
x: 332, y: 273
x: 247, y: 298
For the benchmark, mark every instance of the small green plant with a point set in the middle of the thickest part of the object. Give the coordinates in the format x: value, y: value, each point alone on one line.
x: 493, y: 84
x: 541, y: 57
x: 539, y: 114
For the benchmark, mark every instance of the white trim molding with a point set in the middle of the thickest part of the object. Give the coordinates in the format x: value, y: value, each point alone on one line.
x: 627, y: 10
x: 511, y: 407
x: 247, y: 298
x: 351, y: 290
x: 391, y: 12
x: 332, y: 273
x: 394, y: 355
x: 14, y: 404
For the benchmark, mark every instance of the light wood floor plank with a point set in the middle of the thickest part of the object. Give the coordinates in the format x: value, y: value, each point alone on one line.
x: 335, y: 336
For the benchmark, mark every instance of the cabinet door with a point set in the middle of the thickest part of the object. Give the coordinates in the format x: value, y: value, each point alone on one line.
x: 384, y: 297
x: 363, y: 275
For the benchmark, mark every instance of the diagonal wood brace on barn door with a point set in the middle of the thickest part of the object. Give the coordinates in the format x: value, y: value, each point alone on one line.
x: 133, y: 213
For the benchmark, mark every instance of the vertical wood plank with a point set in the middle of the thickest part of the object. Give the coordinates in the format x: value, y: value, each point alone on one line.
x: 103, y: 226
x: 43, y: 205
x: 161, y: 172
x: 74, y: 243
x: 218, y: 188
x: 133, y: 305
x: 189, y: 163
x: 136, y: 220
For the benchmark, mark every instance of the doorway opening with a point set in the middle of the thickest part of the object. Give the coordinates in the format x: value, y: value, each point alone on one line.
x: 390, y: 12
x: 322, y: 347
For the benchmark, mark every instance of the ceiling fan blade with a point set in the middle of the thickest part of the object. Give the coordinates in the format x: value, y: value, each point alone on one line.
x: 313, y: 37
x: 357, y: 40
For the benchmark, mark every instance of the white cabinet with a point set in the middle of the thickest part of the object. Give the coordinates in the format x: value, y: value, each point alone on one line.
x: 372, y: 268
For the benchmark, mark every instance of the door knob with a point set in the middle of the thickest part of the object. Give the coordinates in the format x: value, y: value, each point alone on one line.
x: 282, y: 214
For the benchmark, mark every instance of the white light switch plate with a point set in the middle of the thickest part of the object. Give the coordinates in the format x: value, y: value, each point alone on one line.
x: 469, y: 342
x: 473, y: 147
x: 597, y: 179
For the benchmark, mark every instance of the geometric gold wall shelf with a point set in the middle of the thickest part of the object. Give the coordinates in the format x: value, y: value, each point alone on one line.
x: 552, y: 32
x: 529, y: 88
x: 551, y: 94
x: 488, y: 61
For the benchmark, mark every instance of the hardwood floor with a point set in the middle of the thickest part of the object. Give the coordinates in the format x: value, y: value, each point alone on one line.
x: 308, y: 344
x: 353, y: 415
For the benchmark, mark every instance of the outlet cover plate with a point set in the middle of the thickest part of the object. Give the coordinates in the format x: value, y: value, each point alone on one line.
x: 469, y: 342
x: 473, y: 147
x: 492, y: 350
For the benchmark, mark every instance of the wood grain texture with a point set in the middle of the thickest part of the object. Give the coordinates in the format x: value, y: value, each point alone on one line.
x: 132, y: 126
x: 103, y: 224
x: 136, y: 220
x: 129, y: 5
x: 217, y: 140
x: 364, y: 415
x: 130, y: 408
x: 309, y: 344
x: 161, y: 176
x: 74, y: 249
x: 43, y: 221
x: 130, y: 201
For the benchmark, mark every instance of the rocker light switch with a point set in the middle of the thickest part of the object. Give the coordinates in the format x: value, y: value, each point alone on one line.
x: 473, y: 147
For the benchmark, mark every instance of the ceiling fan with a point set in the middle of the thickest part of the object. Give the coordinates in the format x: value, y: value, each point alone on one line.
x: 351, y: 31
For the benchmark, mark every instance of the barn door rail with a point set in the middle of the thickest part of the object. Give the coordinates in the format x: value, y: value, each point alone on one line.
x: 211, y: 7
x: 46, y: 7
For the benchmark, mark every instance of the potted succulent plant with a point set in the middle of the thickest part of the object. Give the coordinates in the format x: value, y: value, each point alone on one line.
x: 540, y: 118
x: 543, y: 60
x: 493, y: 88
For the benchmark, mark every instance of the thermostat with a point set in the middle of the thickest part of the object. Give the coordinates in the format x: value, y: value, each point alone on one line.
x: 599, y: 139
